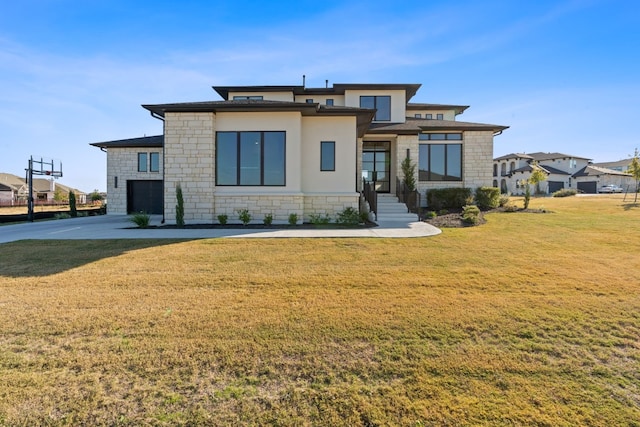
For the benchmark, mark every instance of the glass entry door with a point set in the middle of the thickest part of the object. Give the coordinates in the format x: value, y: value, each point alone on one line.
x: 376, y: 164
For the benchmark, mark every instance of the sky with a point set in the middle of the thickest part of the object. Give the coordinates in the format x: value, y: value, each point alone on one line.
x: 564, y: 75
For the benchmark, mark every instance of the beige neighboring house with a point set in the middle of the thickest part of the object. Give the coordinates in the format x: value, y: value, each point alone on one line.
x: 15, y: 190
x: 284, y: 150
x: 562, y: 171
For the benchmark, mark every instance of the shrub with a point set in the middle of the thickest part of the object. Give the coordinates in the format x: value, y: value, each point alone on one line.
x: 179, y: 207
x: 430, y: 215
x: 349, y: 216
x: 443, y: 212
x: 72, y: 204
x: 504, y: 200
x: 222, y: 219
x: 409, y: 173
x: 364, y: 217
x: 452, y: 198
x: 487, y: 197
x: 565, y: 192
x: 62, y: 215
x: 244, y: 216
x: 471, y: 214
x: 293, y: 219
x: 141, y: 219
x: 319, y: 219
x: 510, y: 207
x: 268, y: 219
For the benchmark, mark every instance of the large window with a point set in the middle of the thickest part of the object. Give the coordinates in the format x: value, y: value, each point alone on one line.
x: 149, y: 162
x: 327, y: 156
x: 380, y: 103
x: 155, y: 162
x: 440, y: 162
x: 250, y: 158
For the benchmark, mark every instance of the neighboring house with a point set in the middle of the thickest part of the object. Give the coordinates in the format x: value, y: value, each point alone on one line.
x: 620, y: 165
x: 562, y: 171
x: 15, y: 190
x: 291, y: 149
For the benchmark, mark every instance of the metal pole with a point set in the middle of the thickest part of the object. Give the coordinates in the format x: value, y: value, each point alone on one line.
x: 30, y: 200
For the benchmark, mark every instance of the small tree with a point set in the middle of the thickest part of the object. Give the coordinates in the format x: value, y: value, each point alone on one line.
x: 72, y: 204
x: 537, y: 176
x: 179, y: 207
x: 409, y: 172
x: 96, y: 196
x: 634, y: 170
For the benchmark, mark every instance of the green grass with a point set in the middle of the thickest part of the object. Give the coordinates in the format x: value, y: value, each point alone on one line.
x: 530, y: 319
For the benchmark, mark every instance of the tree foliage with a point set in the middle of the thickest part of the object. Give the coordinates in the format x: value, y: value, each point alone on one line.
x: 179, y: 207
x: 73, y: 211
x: 634, y: 170
x: 409, y: 172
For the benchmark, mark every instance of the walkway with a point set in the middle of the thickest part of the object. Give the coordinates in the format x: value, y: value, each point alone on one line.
x: 119, y: 227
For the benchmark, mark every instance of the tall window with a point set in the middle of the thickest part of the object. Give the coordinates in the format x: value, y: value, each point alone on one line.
x: 250, y: 158
x: 440, y: 162
x: 155, y: 162
x: 380, y: 103
x: 142, y: 162
x: 327, y: 156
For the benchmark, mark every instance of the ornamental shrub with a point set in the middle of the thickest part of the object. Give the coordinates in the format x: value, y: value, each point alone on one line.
x: 487, y: 197
x: 448, y: 198
x: 471, y: 215
x: 565, y: 192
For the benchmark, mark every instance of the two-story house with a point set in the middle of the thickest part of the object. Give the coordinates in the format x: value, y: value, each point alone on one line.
x: 562, y: 171
x: 292, y: 149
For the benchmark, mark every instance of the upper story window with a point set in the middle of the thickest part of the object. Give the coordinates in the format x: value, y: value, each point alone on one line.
x: 380, y: 103
x: 309, y: 101
x: 154, y: 165
x: 149, y: 162
x: 439, y: 117
x: 250, y: 158
x: 329, y: 102
x: 142, y: 162
x: 247, y: 97
x: 418, y: 116
x: 440, y: 137
x: 428, y: 116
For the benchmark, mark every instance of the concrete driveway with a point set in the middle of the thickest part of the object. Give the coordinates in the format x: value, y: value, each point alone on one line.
x: 119, y: 227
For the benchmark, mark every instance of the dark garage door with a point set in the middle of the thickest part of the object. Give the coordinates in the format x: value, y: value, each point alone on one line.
x: 588, y: 187
x: 144, y: 196
x: 555, y: 186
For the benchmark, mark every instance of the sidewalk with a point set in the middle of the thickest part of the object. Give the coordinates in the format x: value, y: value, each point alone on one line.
x: 119, y: 227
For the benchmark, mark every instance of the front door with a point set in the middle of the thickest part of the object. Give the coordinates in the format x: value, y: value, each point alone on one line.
x: 376, y: 164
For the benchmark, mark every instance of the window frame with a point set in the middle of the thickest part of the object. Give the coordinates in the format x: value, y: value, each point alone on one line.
x: 329, y: 102
x: 156, y: 155
x: 425, y: 175
x: 439, y: 116
x: 248, y: 98
x: 141, y: 156
x: 375, y: 106
x: 333, y: 156
x: 261, y: 161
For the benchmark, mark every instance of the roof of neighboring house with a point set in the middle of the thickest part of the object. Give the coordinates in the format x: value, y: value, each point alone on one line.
x: 414, y: 126
x: 337, y: 89
x: 363, y: 115
x: 459, y: 109
x: 146, y: 141
x: 11, y: 180
x: 40, y: 185
x: 552, y: 170
x: 539, y: 156
x: 597, y: 171
x: 5, y: 187
x: 620, y: 163
x: 513, y: 156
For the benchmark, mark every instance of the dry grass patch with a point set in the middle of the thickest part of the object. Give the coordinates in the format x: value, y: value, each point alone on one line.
x: 529, y: 319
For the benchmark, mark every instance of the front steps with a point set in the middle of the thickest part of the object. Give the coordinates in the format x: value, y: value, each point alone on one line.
x: 391, y: 210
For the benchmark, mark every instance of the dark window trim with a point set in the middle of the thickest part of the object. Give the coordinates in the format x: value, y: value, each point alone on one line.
x: 439, y: 116
x: 333, y: 160
x: 239, y: 159
x: 375, y: 106
x: 329, y: 102
x: 436, y: 136
x: 429, y: 116
x: 248, y: 97
x: 309, y: 100
x: 146, y: 162
x: 417, y: 115
x: 446, y: 177
x: 151, y: 168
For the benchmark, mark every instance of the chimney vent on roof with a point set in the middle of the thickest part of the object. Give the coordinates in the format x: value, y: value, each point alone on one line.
x: 326, y: 84
x: 304, y: 78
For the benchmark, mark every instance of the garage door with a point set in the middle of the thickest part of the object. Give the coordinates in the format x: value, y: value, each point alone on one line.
x: 144, y: 196
x: 555, y: 186
x: 588, y: 187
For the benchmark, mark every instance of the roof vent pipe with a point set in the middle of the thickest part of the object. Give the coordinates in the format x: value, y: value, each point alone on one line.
x: 304, y: 78
x: 326, y: 84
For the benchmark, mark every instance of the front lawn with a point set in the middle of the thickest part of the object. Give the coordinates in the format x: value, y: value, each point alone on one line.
x: 529, y: 319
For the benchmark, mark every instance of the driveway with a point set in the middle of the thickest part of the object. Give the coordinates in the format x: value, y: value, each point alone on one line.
x: 119, y: 227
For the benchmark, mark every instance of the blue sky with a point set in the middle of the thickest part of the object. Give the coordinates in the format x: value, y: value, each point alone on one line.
x: 564, y: 75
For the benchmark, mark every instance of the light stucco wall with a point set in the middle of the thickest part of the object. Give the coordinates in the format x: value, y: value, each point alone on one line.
x: 267, y: 96
x: 122, y: 164
x: 398, y: 101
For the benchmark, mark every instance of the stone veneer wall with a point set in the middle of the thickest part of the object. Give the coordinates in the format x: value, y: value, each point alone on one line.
x: 123, y: 164
x: 189, y: 144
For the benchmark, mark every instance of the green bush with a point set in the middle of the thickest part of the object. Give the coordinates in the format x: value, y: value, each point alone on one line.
x: 179, y: 207
x: 319, y: 219
x: 222, y: 219
x: 73, y: 211
x: 504, y: 200
x: 487, y: 197
x: 293, y: 218
x: 349, y: 216
x: 451, y: 198
x: 268, y: 219
x: 471, y: 215
x: 430, y: 215
x: 443, y: 212
x: 62, y: 215
x: 141, y: 219
x: 244, y: 216
x: 565, y: 192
